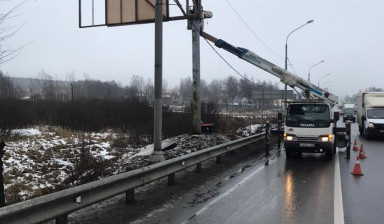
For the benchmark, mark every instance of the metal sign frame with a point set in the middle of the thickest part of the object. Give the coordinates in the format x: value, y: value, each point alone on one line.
x: 187, y: 13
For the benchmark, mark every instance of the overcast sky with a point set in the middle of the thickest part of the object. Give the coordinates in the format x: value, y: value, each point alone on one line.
x: 347, y: 34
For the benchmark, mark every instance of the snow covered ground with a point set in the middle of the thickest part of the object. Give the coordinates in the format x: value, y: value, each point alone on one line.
x: 43, y: 160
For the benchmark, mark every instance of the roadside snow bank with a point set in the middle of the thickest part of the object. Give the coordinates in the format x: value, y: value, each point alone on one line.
x: 26, y: 132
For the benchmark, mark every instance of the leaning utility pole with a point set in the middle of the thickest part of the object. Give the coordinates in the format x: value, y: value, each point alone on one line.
x: 158, y: 154
x: 196, y: 103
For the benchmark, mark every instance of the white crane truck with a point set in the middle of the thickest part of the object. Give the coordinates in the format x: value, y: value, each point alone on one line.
x: 310, y: 123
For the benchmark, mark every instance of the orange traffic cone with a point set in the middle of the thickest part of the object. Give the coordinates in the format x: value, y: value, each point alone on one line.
x: 357, y: 169
x: 362, y: 152
x: 355, y: 147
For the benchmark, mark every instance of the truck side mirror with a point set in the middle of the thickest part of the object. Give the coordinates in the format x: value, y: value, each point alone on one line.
x: 336, y: 116
x: 280, y: 116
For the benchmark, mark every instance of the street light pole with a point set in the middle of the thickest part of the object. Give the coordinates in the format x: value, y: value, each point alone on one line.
x: 286, y: 58
x: 326, y: 87
x: 309, y: 71
x: 318, y: 83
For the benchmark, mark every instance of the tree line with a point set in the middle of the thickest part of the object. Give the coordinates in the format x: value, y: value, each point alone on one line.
x: 94, y: 105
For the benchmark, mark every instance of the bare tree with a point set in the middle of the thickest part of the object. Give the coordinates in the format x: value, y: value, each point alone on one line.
x: 374, y: 89
x: 245, y: 88
x: 231, y: 87
x: 48, y: 87
x: 186, y: 89
x: 7, y: 31
x: 215, y: 90
x: 149, y: 90
x: 137, y: 85
x: 6, y: 87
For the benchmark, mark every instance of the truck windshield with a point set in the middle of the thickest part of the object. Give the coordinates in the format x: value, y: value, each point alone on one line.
x: 308, y: 115
x: 375, y: 113
x: 349, y: 112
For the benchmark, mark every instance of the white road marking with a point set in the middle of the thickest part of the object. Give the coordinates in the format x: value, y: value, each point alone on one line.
x: 337, y: 203
x: 225, y: 194
x: 337, y: 194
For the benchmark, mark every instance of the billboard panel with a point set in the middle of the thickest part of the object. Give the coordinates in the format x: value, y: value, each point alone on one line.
x: 122, y: 12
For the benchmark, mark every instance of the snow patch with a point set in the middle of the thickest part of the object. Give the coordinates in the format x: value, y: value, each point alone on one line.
x: 26, y: 132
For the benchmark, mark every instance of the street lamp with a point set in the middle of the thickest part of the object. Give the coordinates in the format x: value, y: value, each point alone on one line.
x: 318, y: 83
x: 286, y: 56
x: 327, y: 85
x: 309, y: 72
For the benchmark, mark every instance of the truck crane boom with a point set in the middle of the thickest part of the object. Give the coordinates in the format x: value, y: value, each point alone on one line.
x: 285, y: 76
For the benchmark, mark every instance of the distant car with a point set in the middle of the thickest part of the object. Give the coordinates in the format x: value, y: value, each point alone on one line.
x: 349, y: 115
x: 341, y: 112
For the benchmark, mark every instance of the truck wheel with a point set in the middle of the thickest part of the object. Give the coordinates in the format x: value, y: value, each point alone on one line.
x: 292, y: 154
x: 289, y: 153
x: 366, y: 134
x: 329, y: 154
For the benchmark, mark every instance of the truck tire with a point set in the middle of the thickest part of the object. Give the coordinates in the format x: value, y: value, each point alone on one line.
x: 329, y: 154
x: 289, y: 153
x: 292, y: 154
x: 366, y: 135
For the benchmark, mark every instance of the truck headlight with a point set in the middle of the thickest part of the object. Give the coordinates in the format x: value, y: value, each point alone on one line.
x: 370, y: 125
x: 288, y: 137
x: 325, y: 138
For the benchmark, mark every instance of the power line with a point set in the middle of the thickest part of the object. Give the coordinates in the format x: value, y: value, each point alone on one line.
x: 235, y: 70
x: 291, y: 65
x: 253, y: 32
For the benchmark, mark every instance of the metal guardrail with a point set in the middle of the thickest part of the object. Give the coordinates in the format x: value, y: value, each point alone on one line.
x: 59, y: 204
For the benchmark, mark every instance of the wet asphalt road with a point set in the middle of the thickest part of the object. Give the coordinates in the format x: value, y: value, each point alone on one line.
x: 245, y: 190
x: 363, y: 197
x: 283, y: 192
x: 299, y: 191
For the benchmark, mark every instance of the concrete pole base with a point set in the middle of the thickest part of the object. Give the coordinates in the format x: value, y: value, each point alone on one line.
x: 156, y: 157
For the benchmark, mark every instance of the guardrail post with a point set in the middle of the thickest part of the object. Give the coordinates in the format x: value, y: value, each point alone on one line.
x: 218, y: 159
x: 130, y: 196
x: 62, y: 219
x: 348, y: 124
x: 267, y: 132
x: 171, y: 179
x: 198, y: 168
x: 2, y: 195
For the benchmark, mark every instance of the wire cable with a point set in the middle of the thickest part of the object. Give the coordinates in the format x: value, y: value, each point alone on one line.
x: 235, y: 70
x: 291, y: 65
x: 253, y: 32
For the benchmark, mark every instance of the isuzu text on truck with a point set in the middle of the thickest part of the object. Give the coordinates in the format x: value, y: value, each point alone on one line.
x: 370, y: 114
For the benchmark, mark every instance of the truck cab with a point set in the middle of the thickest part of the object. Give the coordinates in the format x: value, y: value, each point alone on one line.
x: 309, y: 128
x: 370, y: 114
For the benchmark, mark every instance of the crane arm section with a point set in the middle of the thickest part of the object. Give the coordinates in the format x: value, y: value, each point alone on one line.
x: 285, y: 76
